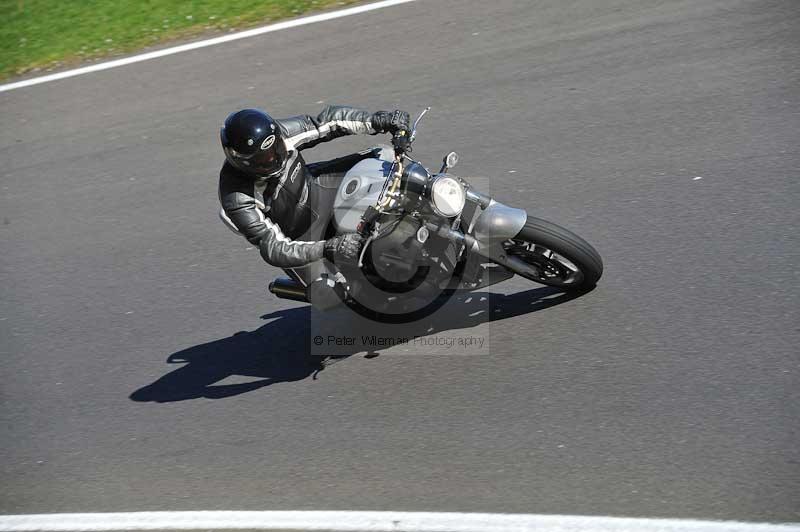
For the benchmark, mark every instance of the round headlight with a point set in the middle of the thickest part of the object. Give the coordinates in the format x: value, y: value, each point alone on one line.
x: 448, y: 196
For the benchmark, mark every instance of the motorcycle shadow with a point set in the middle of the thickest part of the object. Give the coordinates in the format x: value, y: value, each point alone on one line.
x: 281, y: 350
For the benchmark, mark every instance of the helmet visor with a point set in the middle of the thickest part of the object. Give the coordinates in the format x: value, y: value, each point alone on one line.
x: 261, y: 162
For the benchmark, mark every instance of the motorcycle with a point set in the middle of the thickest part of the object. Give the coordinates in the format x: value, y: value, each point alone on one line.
x: 428, y: 235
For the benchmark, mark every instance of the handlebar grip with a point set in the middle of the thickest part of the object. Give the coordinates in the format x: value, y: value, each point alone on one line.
x: 401, y: 141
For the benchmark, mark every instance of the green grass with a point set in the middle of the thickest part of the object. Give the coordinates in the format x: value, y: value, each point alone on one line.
x: 39, y: 35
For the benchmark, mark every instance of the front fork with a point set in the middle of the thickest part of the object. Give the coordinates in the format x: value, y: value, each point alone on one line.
x: 488, y: 226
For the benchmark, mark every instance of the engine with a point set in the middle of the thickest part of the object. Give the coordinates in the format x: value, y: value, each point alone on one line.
x: 395, y: 255
x: 403, y: 257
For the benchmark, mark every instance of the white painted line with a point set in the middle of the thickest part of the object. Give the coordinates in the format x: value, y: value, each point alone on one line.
x: 368, y: 522
x: 202, y: 44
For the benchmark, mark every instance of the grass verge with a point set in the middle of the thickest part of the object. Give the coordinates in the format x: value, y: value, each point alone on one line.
x: 42, y: 35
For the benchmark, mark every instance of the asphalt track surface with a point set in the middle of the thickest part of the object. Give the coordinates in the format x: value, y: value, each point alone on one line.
x: 144, y: 368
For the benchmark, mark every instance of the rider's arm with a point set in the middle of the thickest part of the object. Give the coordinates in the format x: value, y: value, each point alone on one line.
x: 238, y: 199
x: 334, y: 121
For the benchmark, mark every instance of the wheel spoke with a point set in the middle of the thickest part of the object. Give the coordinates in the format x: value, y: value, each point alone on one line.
x: 541, y: 264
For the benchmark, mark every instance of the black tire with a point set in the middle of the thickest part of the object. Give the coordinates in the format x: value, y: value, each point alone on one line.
x: 569, y: 246
x: 401, y: 318
x: 369, y: 304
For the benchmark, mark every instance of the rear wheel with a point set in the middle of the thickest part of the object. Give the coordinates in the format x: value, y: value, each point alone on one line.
x: 369, y: 312
x: 548, y: 254
x: 378, y: 299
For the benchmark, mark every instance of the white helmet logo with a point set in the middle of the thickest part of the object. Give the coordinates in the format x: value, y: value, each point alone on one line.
x: 268, y: 142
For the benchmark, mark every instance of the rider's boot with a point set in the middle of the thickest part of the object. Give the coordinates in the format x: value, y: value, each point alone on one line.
x: 325, y: 293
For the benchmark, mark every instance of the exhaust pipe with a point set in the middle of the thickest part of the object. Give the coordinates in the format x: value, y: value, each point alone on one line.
x: 288, y: 289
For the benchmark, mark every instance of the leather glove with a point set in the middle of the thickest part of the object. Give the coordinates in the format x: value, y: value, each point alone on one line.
x: 391, y: 122
x: 344, y: 249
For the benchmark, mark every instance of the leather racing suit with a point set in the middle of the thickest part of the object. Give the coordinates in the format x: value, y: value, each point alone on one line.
x: 277, y: 213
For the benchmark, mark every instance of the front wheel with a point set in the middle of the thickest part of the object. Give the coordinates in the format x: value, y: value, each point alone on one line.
x: 548, y: 254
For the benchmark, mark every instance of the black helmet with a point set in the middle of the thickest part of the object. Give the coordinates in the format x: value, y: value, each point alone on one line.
x: 252, y: 142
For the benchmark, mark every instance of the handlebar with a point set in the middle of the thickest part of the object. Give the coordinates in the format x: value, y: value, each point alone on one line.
x: 401, y: 141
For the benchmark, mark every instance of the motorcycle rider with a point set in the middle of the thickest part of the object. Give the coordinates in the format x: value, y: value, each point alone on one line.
x: 272, y: 197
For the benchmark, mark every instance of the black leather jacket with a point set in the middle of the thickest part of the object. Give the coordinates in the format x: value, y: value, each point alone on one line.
x: 274, y: 212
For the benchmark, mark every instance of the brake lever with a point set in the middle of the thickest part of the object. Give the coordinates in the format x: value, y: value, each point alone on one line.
x: 413, y: 133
